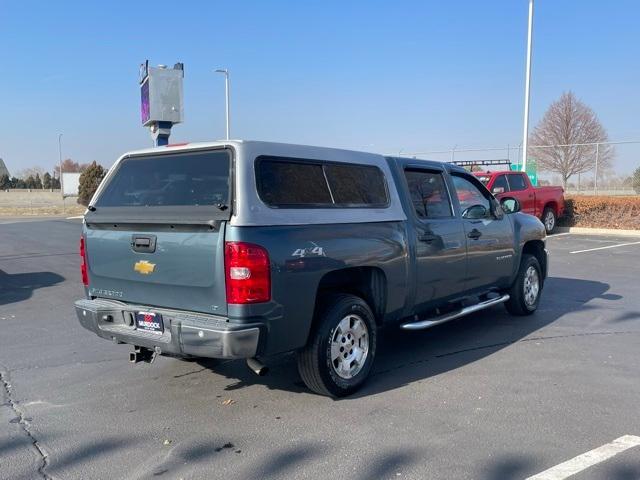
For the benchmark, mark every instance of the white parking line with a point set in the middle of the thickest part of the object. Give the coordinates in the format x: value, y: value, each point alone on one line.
x: 586, y: 460
x: 558, y: 235
x: 608, y: 246
x: 76, y: 217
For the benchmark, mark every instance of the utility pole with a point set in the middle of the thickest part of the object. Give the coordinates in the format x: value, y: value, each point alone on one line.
x: 226, y: 96
x: 527, y: 89
x: 60, y: 162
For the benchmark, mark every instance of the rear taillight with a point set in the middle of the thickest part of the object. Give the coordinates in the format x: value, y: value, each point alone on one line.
x: 247, y: 273
x: 83, y: 263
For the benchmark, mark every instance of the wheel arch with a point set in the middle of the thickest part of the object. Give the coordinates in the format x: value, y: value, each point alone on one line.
x: 537, y: 249
x: 552, y: 204
x: 367, y: 282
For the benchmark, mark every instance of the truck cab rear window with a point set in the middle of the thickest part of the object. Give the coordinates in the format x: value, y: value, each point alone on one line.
x: 181, y: 179
x: 299, y: 183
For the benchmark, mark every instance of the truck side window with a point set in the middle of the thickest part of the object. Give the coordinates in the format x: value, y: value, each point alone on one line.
x: 356, y: 184
x: 428, y: 194
x: 470, y: 198
x: 500, y: 185
x: 517, y: 182
x: 289, y: 182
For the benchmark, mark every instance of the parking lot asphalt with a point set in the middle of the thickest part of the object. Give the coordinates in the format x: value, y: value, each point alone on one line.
x: 488, y: 396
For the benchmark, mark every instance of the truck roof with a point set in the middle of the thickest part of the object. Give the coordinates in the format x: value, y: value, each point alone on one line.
x: 249, y: 209
x: 496, y: 172
x: 281, y: 146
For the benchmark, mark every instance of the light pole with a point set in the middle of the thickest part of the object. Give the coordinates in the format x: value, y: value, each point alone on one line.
x: 527, y: 93
x: 595, y: 175
x: 226, y: 95
x: 60, y: 162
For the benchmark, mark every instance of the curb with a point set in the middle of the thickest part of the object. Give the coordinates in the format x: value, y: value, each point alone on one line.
x: 598, y: 231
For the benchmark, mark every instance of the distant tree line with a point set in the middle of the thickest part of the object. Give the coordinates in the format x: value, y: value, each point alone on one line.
x: 37, y: 179
x: 35, y: 182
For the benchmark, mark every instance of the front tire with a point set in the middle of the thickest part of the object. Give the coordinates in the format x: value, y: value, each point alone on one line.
x: 342, y: 346
x: 549, y: 220
x: 526, y: 289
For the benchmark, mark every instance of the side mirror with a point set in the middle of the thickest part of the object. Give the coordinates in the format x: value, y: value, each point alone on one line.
x: 475, y: 212
x: 510, y: 205
x: 497, y: 190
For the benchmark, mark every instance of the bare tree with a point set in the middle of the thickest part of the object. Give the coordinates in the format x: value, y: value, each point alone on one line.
x: 30, y: 172
x: 568, y: 122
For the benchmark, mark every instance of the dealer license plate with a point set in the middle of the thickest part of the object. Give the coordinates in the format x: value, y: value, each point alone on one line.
x: 149, y: 322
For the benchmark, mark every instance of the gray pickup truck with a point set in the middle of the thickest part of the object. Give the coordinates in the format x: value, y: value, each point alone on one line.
x: 245, y: 249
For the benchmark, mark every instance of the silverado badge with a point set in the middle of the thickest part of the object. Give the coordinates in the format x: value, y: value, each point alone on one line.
x: 144, y: 267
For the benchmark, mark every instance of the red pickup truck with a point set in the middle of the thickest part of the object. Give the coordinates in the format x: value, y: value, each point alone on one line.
x: 546, y: 203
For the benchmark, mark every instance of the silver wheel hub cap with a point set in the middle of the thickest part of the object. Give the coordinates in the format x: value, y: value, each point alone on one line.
x: 349, y: 346
x: 549, y: 221
x: 531, y: 286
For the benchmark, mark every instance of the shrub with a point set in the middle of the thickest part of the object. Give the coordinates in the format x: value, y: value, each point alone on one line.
x: 603, y: 212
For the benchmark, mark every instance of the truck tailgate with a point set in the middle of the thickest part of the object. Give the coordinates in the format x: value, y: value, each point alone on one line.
x: 185, y: 270
x: 154, y: 232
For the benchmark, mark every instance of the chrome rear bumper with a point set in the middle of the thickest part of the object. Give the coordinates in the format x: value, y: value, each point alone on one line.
x: 185, y: 333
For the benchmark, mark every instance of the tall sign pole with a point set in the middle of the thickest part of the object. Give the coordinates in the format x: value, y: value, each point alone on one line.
x: 527, y: 92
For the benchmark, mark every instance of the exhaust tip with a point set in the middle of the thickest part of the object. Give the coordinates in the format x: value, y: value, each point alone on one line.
x: 257, y: 367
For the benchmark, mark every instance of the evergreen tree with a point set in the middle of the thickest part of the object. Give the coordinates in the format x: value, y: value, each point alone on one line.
x: 89, y: 181
x: 37, y: 182
x: 5, y: 182
x: 46, y: 181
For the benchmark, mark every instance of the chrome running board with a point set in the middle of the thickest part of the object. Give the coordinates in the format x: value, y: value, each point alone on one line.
x: 422, y: 324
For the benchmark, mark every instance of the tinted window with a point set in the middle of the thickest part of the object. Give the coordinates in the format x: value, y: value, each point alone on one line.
x: 283, y: 182
x: 428, y: 194
x: 196, y: 178
x: 517, y: 182
x: 356, y: 185
x: 286, y: 183
x: 469, y: 195
x: 500, y: 183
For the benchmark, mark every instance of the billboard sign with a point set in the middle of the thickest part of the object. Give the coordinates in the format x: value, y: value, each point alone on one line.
x: 70, y: 184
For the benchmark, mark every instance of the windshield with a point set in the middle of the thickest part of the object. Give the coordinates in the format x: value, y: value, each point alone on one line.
x: 181, y: 179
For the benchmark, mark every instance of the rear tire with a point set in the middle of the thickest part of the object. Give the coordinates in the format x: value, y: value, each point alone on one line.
x: 342, y: 346
x: 549, y: 220
x: 526, y: 289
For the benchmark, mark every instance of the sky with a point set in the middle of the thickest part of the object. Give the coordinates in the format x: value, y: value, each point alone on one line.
x: 403, y: 76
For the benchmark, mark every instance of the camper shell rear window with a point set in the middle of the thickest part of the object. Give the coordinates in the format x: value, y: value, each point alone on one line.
x: 180, y: 179
x: 175, y: 187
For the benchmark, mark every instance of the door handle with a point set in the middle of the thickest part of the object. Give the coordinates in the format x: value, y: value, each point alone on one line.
x: 427, y: 237
x: 475, y: 234
x: 143, y: 243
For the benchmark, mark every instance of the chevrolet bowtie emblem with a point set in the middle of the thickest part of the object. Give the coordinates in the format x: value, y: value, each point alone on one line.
x: 144, y: 267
